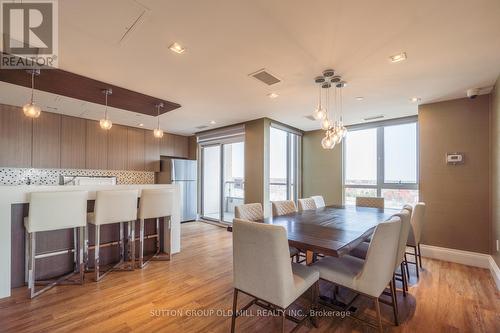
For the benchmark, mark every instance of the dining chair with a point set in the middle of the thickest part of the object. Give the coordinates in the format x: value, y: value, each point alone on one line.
x: 371, y: 276
x: 318, y: 199
x: 253, y: 212
x: 306, y: 204
x: 283, y: 207
x: 373, y: 202
x: 417, y: 221
x: 262, y: 270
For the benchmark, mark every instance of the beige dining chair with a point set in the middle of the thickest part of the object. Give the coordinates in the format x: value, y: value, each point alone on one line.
x: 262, y: 270
x: 318, y: 199
x: 371, y: 276
x: 306, y: 204
x: 251, y: 212
x: 373, y: 202
x: 417, y: 221
x: 254, y: 212
x: 283, y: 207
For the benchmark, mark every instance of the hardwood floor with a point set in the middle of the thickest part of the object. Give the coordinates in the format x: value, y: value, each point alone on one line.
x: 448, y: 298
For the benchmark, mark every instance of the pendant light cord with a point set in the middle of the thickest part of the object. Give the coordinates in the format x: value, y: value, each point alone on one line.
x: 106, y: 109
x: 158, y: 114
x: 32, y: 85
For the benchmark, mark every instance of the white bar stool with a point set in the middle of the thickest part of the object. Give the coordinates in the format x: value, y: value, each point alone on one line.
x: 154, y: 204
x: 55, y: 211
x: 117, y: 206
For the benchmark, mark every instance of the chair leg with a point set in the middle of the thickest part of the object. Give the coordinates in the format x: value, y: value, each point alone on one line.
x: 283, y: 319
x: 233, y: 316
x: 314, y: 302
x: 416, y: 260
x: 132, y: 244
x: 31, y: 264
x: 141, y: 243
x: 81, y: 266
x: 96, y: 252
x: 407, y: 268
x: 26, y: 255
x: 419, y: 255
x: 86, y: 248
x: 394, y: 301
x: 377, y: 310
x: 403, y: 278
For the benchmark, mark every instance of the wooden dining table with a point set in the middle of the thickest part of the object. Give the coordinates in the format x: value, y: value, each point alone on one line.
x: 331, y: 230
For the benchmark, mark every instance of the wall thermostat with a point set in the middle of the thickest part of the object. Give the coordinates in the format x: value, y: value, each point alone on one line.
x: 454, y: 158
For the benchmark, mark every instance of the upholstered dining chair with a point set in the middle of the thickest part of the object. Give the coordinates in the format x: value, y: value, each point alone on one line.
x: 373, y: 202
x: 318, y: 199
x: 283, y: 207
x: 262, y: 270
x: 367, y: 277
x: 254, y: 212
x: 306, y: 204
x: 417, y: 221
x: 251, y: 212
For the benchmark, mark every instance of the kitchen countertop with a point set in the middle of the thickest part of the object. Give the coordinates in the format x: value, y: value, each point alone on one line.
x: 19, y: 194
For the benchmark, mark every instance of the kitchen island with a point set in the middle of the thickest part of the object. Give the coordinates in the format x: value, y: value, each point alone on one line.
x: 13, y: 207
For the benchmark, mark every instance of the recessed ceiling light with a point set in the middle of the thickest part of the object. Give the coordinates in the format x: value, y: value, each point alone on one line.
x: 415, y: 99
x: 213, y: 122
x: 398, y: 57
x: 272, y: 95
x: 141, y: 125
x: 359, y: 98
x: 177, y: 48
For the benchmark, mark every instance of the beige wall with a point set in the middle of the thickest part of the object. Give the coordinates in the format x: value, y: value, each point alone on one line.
x: 457, y: 197
x: 495, y: 170
x: 321, y: 169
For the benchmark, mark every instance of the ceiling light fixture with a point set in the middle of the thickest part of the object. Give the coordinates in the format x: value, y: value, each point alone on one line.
x: 359, y: 98
x: 332, y: 124
x: 141, y: 125
x: 398, y: 57
x: 105, y: 123
x: 31, y: 109
x: 415, y: 99
x: 177, y: 48
x: 213, y: 122
x: 272, y: 95
x: 158, y: 132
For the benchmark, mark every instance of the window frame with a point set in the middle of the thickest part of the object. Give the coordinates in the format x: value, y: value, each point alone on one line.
x: 381, y: 184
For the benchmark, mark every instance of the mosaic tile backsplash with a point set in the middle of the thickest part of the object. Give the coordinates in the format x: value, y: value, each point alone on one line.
x: 20, y: 176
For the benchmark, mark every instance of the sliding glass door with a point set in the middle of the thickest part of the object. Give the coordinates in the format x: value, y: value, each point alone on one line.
x: 223, y: 186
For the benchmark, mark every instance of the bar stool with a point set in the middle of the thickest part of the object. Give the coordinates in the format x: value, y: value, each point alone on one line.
x: 154, y: 203
x: 116, y: 206
x: 50, y: 211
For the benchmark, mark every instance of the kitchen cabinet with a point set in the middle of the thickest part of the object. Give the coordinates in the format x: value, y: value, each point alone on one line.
x: 47, y: 141
x: 167, y: 145
x: 193, y: 147
x: 117, y: 148
x: 73, y: 142
x: 15, y: 137
x: 135, y: 149
x: 181, y: 146
x: 152, y: 152
x: 96, y: 152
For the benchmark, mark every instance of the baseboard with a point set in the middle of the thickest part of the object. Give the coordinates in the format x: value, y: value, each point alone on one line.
x: 463, y: 257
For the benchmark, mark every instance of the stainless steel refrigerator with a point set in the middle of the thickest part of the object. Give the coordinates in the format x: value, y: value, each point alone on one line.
x: 182, y: 172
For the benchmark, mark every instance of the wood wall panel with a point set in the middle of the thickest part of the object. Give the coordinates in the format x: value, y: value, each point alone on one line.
x: 136, y: 151
x: 73, y: 141
x: 152, y: 152
x: 96, y: 146
x: 117, y: 148
x: 181, y: 146
x: 193, y: 148
x: 47, y: 141
x: 167, y: 145
x: 15, y: 137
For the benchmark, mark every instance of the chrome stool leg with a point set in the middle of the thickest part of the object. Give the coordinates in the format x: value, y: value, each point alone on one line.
x: 155, y: 257
x: 96, y: 253
x: 141, y: 244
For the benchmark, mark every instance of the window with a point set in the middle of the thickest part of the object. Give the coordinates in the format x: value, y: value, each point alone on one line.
x: 382, y: 161
x: 283, y: 165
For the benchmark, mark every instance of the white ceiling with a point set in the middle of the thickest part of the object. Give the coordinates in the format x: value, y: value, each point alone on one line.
x: 452, y: 45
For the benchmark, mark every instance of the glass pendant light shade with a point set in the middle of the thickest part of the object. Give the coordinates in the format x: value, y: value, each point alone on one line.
x: 105, y: 124
x: 158, y: 133
x: 325, y: 124
x: 31, y: 110
x: 319, y: 113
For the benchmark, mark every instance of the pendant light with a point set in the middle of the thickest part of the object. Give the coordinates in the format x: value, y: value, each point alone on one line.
x: 105, y: 123
x: 158, y: 132
x: 319, y: 113
x: 31, y: 109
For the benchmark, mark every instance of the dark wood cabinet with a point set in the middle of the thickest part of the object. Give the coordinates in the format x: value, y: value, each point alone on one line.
x: 152, y: 152
x: 181, y: 146
x: 47, y: 141
x: 117, y: 148
x: 135, y: 150
x: 96, y: 152
x: 167, y: 145
x: 73, y: 142
x: 193, y: 148
x: 15, y: 137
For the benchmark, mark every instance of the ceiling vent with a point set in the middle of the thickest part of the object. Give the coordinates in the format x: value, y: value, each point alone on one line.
x: 310, y: 117
x: 265, y: 77
x: 201, y: 127
x: 380, y: 116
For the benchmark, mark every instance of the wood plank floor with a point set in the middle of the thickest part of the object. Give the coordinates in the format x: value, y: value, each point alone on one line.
x: 163, y: 296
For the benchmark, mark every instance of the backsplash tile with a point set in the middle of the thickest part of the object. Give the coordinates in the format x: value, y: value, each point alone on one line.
x: 19, y: 176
